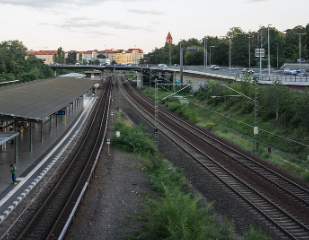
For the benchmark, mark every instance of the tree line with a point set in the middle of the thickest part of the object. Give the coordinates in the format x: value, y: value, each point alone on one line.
x: 284, y: 47
x: 15, y: 64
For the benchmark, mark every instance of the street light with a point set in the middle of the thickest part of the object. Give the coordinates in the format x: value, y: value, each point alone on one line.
x: 135, y: 55
x: 205, y: 52
x: 277, y: 55
x: 230, y: 51
x: 105, y: 52
x: 249, y: 49
x: 268, y: 53
x: 300, y: 34
x: 210, y: 53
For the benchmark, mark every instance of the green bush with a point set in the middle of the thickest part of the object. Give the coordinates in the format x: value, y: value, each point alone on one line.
x: 178, y: 216
x: 132, y: 139
x: 252, y: 234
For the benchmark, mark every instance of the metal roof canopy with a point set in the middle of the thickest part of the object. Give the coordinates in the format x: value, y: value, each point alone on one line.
x: 7, y: 136
x: 35, y: 100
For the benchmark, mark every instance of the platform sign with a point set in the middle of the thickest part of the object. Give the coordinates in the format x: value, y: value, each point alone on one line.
x: 256, y: 130
x: 259, y: 51
x: 192, y: 49
x: 61, y: 112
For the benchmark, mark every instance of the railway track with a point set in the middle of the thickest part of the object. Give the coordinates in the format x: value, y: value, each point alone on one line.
x: 273, y: 197
x: 51, y: 214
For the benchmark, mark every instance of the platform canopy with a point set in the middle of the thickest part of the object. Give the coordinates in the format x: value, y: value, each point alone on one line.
x: 7, y: 136
x: 35, y: 100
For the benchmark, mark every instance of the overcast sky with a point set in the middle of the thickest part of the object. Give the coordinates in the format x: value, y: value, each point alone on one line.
x: 99, y: 24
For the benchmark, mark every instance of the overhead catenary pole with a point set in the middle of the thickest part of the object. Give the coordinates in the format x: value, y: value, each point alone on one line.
x: 156, y: 119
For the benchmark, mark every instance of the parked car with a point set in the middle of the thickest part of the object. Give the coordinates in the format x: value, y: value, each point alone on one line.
x: 248, y: 70
x: 176, y: 65
x: 301, y: 60
x: 299, y: 73
x: 214, y: 67
x: 290, y: 71
x: 162, y: 65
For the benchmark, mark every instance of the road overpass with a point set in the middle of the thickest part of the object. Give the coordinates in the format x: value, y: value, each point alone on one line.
x: 195, y: 75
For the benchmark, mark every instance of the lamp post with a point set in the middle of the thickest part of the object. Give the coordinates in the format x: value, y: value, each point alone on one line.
x: 268, y: 52
x: 181, y: 63
x: 230, y: 51
x: 210, y: 53
x: 135, y: 55
x: 205, y: 52
x: 105, y: 52
x: 277, y: 55
x: 249, y: 50
x: 300, y: 34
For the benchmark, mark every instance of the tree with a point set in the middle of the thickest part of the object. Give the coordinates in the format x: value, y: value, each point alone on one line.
x: 59, y: 57
x: 101, y: 56
x: 12, y: 55
x: 71, y: 57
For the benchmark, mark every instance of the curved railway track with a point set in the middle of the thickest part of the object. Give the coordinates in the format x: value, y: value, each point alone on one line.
x: 281, y: 202
x: 51, y: 216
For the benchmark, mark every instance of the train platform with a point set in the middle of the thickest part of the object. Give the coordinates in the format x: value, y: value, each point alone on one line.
x: 33, y: 164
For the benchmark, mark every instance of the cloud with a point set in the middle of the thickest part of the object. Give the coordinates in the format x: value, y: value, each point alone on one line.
x: 49, y: 3
x: 56, y: 3
x: 140, y: 11
x: 87, y: 23
x: 259, y: 0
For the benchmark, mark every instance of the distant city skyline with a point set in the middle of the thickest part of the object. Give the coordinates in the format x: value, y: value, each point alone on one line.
x: 122, y: 24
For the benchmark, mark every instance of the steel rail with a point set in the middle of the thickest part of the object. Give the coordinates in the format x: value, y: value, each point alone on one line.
x: 298, y: 195
x: 60, y: 182
x: 238, y: 193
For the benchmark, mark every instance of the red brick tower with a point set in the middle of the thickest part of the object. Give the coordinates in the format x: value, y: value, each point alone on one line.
x: 169, y: 38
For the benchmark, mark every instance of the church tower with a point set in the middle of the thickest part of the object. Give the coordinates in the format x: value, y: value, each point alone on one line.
x: 169, y: 38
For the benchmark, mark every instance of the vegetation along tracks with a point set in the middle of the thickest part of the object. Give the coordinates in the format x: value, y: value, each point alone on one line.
x: 281, y: 201
x: 51, y: 216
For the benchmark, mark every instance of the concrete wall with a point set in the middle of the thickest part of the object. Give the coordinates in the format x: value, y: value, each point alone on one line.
x: 196, y: 80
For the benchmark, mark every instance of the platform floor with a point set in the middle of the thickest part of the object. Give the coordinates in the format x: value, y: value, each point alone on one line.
x: 32, y: 165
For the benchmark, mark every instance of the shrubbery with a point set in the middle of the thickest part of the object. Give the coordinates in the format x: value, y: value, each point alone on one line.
x: 172, y: 212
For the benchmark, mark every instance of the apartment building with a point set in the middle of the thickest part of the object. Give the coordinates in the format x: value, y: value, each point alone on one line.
x: 130, y: 56
x: 46, y: 56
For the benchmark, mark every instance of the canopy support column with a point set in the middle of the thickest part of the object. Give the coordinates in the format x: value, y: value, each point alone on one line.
x: 42, y: 132
x: 30, y: 144
x: 16, y: 149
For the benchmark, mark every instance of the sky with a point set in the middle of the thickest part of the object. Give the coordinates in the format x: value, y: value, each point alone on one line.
x: 122, y: 24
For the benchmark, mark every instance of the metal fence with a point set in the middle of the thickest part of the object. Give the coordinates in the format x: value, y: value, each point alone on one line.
x: 284, y: 78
